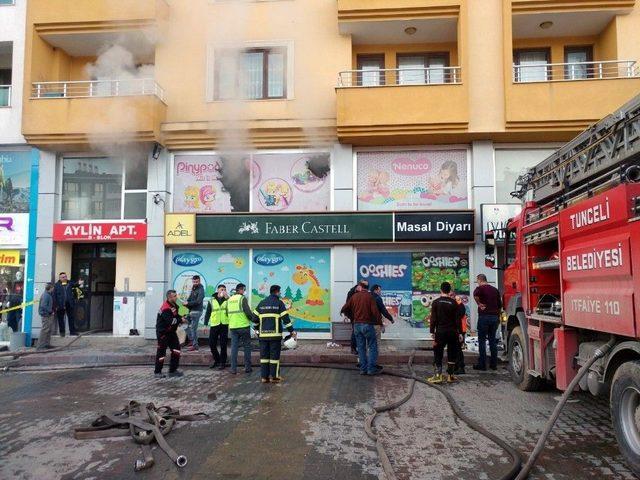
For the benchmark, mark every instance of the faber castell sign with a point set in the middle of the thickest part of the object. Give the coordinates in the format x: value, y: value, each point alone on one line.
x: 433, y: 226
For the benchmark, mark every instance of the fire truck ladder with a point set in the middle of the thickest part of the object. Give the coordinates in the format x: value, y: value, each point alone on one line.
x: 605, y: 154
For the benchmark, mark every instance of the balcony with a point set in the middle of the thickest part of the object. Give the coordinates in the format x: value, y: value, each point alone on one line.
x: 74, y: 114
x: 401, y: 106
x: 563, y: 98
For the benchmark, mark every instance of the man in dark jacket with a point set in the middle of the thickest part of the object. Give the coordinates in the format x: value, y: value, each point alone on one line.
x: 194, y: 303
x: 362, y: 284
x: 361, y: 308
x: 445, y: 326
x: 45, y: 310
x: 376, y: 291
x: 166, y: 325
x: 270, y: 316
x: 65, y: 303
x: 489, y: 305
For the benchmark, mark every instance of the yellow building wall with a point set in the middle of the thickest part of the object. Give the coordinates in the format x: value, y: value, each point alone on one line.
x: 606, y: 47
x: 64, y: 252
x: 130, y: 263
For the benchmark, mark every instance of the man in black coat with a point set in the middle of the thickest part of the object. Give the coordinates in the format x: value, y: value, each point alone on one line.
x: 167, y: 324
x: 65, y: 302
x: 361, y: 285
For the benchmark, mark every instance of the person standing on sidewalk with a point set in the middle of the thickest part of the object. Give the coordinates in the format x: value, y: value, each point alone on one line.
x: 361, y: 308
x: 45, y: 309
x: 240, y: 316
x: 376, y: 291
x: 65, y: 303
x: 167, y: 324
x: 361, y: 285
x: 194, y: 303
x: 218, y: 319
x: 460, y: 370
x: 270, y: 316
x: 444, y: 324
x: 489, y: 304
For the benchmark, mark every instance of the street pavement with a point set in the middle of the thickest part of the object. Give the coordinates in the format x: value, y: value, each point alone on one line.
x: 310, y: 427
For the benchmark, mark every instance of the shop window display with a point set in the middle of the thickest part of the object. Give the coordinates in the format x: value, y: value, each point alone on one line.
x: 12, y: 292
x: 410, y: 282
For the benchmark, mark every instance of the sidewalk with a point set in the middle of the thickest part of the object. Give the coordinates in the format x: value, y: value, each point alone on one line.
x: 114, y: 351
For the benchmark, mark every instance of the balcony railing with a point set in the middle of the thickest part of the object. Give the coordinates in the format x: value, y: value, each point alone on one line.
x: 562, y: 72
x: 399, y: 77
x: 5, y: 95
x: 98, y: 89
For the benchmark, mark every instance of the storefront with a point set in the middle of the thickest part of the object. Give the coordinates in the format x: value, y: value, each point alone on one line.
x: 104, y: 260
x: 406, y: 253
x: 14, y: 240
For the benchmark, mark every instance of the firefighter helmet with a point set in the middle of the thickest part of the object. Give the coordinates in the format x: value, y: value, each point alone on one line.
x: 290, y: 342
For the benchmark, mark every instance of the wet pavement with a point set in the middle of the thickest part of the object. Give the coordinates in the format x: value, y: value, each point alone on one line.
x: 310, y: 427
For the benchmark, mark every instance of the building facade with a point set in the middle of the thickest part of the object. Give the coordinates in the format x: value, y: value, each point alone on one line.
x: 305, y: 143
x: 18, y: 176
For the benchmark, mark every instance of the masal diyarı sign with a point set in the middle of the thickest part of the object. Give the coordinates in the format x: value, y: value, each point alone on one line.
x: 435, y: 226
x: 315, y: 228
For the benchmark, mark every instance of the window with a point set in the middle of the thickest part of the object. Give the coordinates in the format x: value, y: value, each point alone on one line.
x: 422, y: 68
x: 254, y: 74
x: 532, y: 65
x: 370, y: 72
x: 6, y: 61
x: 577, y: 59
x: 104, y: 188
x: 509, y: 164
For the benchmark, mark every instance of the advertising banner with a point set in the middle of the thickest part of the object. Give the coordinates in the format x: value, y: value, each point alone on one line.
x: 412, y: 180
x: 428, y: 271
x: 287, y: 182
x: 14, y: 230
x: 15, y: 181
x: 215, y: 267
x: 494, y: 217
x: 210, y: 183
x: 305, y: 277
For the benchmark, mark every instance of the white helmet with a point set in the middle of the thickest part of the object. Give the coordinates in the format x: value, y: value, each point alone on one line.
x: 253, y: 333
x: 290, y: 342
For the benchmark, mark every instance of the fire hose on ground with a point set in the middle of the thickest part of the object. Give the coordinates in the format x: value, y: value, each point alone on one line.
x: 145, y: 425
x: 516, y: 471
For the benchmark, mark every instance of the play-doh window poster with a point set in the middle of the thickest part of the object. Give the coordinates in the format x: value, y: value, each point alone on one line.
x: 304, y: 276
x: 211, y: 183
x: 412, y: 180
x: 290, y: 182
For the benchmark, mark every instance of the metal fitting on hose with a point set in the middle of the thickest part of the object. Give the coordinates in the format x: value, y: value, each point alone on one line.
x: 181, y: 461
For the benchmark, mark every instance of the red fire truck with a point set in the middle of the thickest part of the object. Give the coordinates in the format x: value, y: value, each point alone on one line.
x: 571, y: 270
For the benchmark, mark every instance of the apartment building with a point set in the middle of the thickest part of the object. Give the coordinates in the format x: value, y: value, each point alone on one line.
x: 18, y: 173
x: 299, y: 142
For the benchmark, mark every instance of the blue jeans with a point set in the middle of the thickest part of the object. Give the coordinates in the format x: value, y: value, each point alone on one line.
x: 367, y: 346
x: 240, y: 337
x: 487, y: 328
x: 192, y: 329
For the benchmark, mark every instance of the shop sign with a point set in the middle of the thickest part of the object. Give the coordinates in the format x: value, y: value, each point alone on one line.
x: 179, y: 228
x: 99, y: 231
x: 434, y: 226
x: 14, y: 230
x: 10, y: 258
x: 494, y: 217
x: 315, y: 228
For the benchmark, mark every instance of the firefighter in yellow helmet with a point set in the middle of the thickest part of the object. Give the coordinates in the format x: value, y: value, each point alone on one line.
x: 270, y: 316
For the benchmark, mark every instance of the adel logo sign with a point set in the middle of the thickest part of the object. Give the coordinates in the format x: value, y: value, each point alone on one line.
x: 268, y: 259
x: 187, y: 259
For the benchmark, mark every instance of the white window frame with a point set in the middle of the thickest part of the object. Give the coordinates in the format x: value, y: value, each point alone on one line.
x: 288, y: 47
x: 123, y: 191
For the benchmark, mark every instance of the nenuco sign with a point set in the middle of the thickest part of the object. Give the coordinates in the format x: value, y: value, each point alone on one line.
x: 433, y: 226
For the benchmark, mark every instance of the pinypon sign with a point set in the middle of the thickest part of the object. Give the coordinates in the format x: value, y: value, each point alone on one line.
x: 387, y: 227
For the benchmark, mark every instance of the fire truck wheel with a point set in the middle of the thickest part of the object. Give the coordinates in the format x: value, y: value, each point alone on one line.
x: 519, y: 363
x: 625, y: 412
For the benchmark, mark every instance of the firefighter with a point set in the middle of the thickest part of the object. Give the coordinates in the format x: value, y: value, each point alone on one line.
x: 218, y: 319
x: 166, y: 325
x: 269, y: 316
x: 446, y: 328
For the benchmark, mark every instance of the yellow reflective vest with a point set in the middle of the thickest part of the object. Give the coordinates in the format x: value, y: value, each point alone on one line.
x: 237, y: 317
x: 218, y: 313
